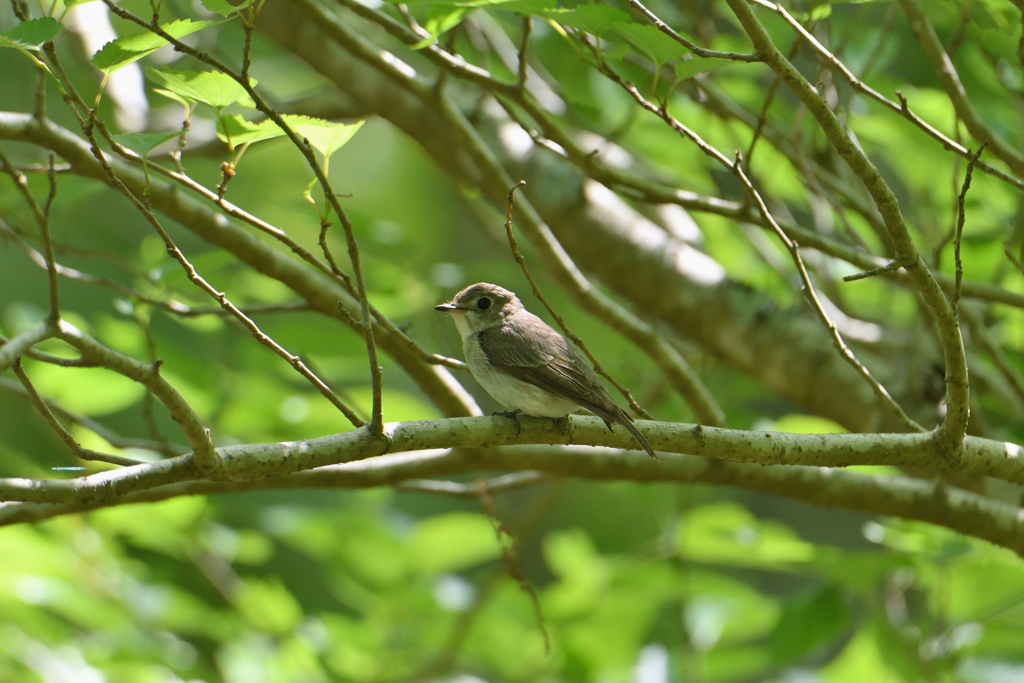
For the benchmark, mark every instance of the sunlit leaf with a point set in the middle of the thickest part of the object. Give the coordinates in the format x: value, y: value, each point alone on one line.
x: 31, y: 34
x: 728, y: 533
x: 92, y: 391
x: 439, y: 23
x: 326, y: 137
x: 652, y: 43
x: 225, y: 8
x: 594, y: 19
x: 212, y: 88
x: 237, y: 131
x: 268, y: 605
x: 454, y: 541
x: 123, y: 51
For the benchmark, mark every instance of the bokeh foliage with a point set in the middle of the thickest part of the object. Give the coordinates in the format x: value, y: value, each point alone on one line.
x: 633, y: 582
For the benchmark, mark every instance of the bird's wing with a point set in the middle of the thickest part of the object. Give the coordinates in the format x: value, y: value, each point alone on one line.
x: 549, y: 361
x: 544, y: 360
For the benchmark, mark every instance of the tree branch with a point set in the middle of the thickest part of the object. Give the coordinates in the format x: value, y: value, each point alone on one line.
x: 257, y: 461
x: 932, y: 502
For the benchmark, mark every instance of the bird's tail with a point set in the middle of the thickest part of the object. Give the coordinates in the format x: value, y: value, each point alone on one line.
x: 626, y: 421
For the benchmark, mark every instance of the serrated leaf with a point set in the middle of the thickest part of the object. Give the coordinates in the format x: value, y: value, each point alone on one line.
x: 212, y: 88
x: 172, y: 96
x: 326, y: 137
x: 223, y: 7
x: 235, y: 130
x: 30, y: 35
x: 143, y: 142
x: 652, y: 43
x: 688, y: 68
x: 439, y: 23
x: 532, y: 7
x: 127, y: 49
x: 594, y: 19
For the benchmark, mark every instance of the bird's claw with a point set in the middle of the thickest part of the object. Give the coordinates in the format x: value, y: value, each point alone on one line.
x: 513, y: 415
x: 563, y: 424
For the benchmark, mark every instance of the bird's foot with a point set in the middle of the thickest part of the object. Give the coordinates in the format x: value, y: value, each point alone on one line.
x: 564, y: 424
x: 513, y: 415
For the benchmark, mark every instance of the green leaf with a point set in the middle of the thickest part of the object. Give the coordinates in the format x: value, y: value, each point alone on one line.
x: 728, y: 533
x: 235, y: 130
x: 223, y: 7
x: 68, y: 4
x: 173, y: 96
x: 583, y: 574
x: 652, y: 43
x: 594, y: 19
x: 212, y: 88
x: 796, y: 423
x: 92, y: 391
x: 268, y: 605
x: 532, y: 7
x: 439, y: 23
x: 809, y: 619
x: 452, y: 542
x: 30, y: 35
x: 143, y: 142
x: 688, y: 68
x: 127, y: 49
x: 326, y: 137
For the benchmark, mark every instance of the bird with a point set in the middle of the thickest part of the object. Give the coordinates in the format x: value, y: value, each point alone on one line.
x: 524, y: 364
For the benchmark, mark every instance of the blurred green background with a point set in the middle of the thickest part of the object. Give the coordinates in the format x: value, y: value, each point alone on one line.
x: 641, y: 583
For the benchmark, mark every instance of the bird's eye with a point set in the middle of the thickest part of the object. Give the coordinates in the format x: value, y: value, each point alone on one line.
x: 483, y: 304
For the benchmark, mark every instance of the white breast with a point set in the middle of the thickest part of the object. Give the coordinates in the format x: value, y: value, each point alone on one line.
x: 512, y: 393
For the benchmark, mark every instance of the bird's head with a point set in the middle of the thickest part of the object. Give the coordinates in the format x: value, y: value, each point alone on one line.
x: 480, y: 306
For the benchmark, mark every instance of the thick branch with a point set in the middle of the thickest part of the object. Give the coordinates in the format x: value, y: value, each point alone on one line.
x: 257, y: 461
x: 20, y: 344
x: 965, y: 512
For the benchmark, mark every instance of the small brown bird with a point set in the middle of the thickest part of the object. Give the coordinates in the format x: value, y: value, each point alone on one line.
x: 524, y: 364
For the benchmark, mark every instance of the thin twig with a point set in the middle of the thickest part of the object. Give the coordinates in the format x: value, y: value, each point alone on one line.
x: 42, y: 215
x: 1013, y: 259
x: 366, y: 322
x: 510, y: 554
x: 203, y: 457
x: 524, y: 46
x: 950, y: 433
x: 111, y: 437
x: 901, y: 109
x: 506, y: 482
x: 196, y: 279
x: 688, y: 44
x: 981, y: 335
x: 76, y: 449
x: 762, y: 117
x: 950, y: 80
x: 812, y: 297
x: 955, y: 299
x: 888, y: 268
x: 736, y: 167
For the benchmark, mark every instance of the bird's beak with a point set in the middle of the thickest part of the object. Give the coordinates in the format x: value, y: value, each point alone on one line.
x: 446, y: 308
